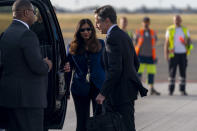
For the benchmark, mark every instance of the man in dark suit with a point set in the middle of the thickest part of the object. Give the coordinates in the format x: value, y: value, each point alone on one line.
x: 122, y: 83
x: 23, y: 84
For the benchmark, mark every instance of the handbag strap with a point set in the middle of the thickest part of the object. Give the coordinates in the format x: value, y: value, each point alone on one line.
x: 107, y: 106
x: 98, y: 110
x: 102, y: 109
x: 88, y: 62
x: 77, y: 65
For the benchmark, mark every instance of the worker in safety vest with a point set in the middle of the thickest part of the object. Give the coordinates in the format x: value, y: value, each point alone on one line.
x: 176, y: 48
x: 145, y: 40
x: 123, y: 23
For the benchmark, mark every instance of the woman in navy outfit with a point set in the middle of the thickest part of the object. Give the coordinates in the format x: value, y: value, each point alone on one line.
x: 84, y: 54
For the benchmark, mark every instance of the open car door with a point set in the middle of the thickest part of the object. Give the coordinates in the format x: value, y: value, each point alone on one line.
x: 52, y: 46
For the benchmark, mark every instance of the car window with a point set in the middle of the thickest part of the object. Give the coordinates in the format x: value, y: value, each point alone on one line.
x: 40, y: 29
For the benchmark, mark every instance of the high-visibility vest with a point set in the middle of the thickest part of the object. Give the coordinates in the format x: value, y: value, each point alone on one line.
x: 172, y: 31
x: 130, y: 34
x: 141, y: 41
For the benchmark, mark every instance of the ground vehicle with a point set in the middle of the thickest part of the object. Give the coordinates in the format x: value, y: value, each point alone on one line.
x: 55, y: 50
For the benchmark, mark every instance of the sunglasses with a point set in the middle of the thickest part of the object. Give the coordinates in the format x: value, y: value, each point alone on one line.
x: 85, y: 29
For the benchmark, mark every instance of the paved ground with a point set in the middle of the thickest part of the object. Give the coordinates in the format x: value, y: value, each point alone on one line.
x: 158, y: 113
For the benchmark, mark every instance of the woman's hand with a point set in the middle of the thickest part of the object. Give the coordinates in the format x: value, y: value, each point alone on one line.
x: 67, y: 67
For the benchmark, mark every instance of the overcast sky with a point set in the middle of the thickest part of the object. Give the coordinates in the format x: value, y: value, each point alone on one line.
x: 130, y: 4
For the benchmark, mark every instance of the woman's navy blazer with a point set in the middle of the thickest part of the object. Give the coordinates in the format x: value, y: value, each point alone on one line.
x: 80, y: 64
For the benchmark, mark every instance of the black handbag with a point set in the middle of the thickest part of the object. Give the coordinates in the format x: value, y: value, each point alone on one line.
x: 108, y: 120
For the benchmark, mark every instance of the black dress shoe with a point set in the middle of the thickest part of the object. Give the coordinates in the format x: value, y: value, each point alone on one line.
x: 154, y: 92
x: 184, y: 93
x: 170, y: 93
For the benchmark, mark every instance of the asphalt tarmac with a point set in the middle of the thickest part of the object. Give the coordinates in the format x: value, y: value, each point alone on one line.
x: 157, y: 113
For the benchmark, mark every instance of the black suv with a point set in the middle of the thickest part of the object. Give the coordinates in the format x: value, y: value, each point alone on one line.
x: 52, y: 46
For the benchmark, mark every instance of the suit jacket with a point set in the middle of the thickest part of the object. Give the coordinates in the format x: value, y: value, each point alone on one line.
x: 121, y: 64
x: 24, y: 77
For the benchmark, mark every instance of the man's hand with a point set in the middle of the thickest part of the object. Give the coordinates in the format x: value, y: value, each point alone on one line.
x: 100, y: 98
x: 166, y: 51
x: 166, y: 56
x: 67, y: 67
x: 49, y: 63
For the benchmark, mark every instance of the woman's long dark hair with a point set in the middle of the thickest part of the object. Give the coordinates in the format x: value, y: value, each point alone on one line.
x: 78, y: 45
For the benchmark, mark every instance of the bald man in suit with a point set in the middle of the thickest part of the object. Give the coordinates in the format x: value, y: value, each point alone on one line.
x: 23, y: 82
